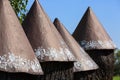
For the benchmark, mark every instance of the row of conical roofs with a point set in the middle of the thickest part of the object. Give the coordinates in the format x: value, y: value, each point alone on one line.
x: 46, y: 39
x: 42, y: 41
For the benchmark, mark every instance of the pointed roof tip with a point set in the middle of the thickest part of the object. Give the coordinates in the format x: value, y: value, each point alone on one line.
x: 83, y: 58
x: 36, y: 2
x: 56, y: 19
x: 40, y: 25
x: 89, y: 7
x: 15, y: 48
x: 91, y: 34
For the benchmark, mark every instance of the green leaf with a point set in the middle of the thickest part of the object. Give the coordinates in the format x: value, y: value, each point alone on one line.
x: 19, y: 7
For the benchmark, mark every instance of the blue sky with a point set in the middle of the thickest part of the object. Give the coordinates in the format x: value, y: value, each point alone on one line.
x: 70, y: 13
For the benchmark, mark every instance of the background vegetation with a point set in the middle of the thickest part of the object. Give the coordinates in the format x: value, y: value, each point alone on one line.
x: 117, y: 65
x: 19, y: 7
x: 117, y: 62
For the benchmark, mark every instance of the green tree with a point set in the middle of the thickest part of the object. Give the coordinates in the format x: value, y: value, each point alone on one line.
x: 117, y: 62
x: 19, y: 7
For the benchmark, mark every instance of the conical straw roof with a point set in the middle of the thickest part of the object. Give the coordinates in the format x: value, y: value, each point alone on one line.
x: 84, y: 62
x: 16, y: 54
x: 47, y: 45
x: 91, y: 34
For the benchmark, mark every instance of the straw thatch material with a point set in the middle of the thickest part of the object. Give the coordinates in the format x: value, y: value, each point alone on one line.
x: 16, y: 54
x: 49, y: 46
x: 58, y: 70
x: 104, y: 58
x: 94, y: 39
x: 85, y: 75
x: 17, y: 76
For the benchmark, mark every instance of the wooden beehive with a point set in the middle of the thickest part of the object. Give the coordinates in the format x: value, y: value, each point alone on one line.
x: 54, y: 55
x: 91, y: 35
x: 84, y: 62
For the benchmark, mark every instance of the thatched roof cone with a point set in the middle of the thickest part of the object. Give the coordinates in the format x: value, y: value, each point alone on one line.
x: 42, y: 38
x: 91, y: 34
x: 57, y: 34
x: 84, y: 62
x: 16, y: 54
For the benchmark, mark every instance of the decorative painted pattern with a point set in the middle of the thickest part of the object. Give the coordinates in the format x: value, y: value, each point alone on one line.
x: 54, y: 55
x: 82, y: 65
x: 77, y: 66
x: 97, y: 44
x: 12, y: 63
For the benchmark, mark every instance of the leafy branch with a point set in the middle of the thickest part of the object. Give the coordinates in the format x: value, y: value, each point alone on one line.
x: 19, y: 7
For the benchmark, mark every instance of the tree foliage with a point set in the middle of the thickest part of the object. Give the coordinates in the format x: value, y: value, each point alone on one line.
x: 117, y: 62
x: 19, y: 7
